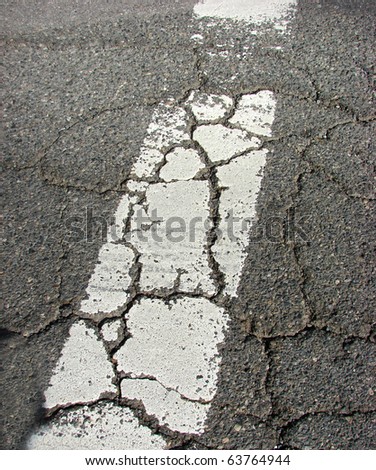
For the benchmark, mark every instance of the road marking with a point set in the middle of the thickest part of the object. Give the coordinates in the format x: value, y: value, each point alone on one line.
x: 200, y: 168
x: 171, y: 360
x: 255, y: 11
x: 101, y: 427
x: 222, y: 143
x: 83, y: 372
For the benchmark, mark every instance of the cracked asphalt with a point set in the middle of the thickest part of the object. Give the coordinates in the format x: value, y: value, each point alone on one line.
x: 80, y: 87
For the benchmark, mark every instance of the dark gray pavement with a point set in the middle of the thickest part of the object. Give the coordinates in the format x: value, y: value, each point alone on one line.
x: 80, y: 83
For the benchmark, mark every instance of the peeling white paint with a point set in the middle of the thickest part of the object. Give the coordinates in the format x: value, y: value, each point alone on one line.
x: 209, y: 108
x: 116, y: 230
x: 255, y: 113
x: 255, y: 11
x: 171, y: 359
x: 168, y: 406
x: 83, y: 372
x: 108, y: 286
x: 110, y: 330
x: 222, y: 143
x: 181, y: 164
x: 146, y: 164
x: 174, y: 249
x: 100, y: 427
x: 198, y: 38
x: 137, y: 186
x: 176, y: 343
x: 241, y: 180
x: 169, y: 126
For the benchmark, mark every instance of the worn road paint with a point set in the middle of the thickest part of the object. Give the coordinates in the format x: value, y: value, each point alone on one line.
x: 110, y: 330
x: 222, y: 143
x: 209, y: 108
x: 255, y: 113
x: 83, y: 373
x: 181, y: 164
x: 175, y: 343
x: 107, y: 288
x: 101, y: 427
x: 255, y: 11
x: 170, y: 361
x: 167, y: 405
x: 240, y: 180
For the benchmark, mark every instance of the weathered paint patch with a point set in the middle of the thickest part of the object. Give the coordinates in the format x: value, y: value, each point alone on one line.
x: 255, y: 113
x: 83, y: 372
x: 209, y: 108
x: 181, y: 164
x: 146, y: 164
x: 116, y: 230
x: 240, y: 180
x: 222, y: 143
x: 110, y: 330
x: 175, y: 343
x: 171, y: 358
x: 108, y: 285
x: 177, y: 413
x: 169, y: 126
x: 255, y: 11
x: 173, y: 250
x: 99, y: 427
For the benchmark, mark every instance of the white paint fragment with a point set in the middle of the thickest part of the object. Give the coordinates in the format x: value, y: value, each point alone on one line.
x: 146, y: 164
x: 255, y: 11
x: 174, y: 248
x: 176, y: 343
x: 101, y: 427
x: 108, y: 285
x: 167, y: 405
x: 110, y: 330
x: 209, y: 108
x: 198, y: 38
x: 255, y: 113
x: 83, y: 372
x: 137, y: 186
x: 241, y: 180
x: 222, y: 143
x: 169, y: 126
x: 116, y: 230
x: 181, y: 164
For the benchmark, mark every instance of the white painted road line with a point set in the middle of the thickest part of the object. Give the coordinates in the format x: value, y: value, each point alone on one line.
x: 200, y: 164
x: 255, y: 11
x: 100, y: 427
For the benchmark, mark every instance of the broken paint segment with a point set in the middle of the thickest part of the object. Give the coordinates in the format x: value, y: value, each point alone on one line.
x: 100, y: 427
x: 221, y: 143
x: 255, y: 11
x: 107, y: 289
x: 167, y: 406
x: 169, y: 127
x: 240, y: 180
x: 181, y: 164
x: 175, y: 343
x: 255, y: 113
x: 83, y: 373
x: 110, y: 330
x: 147, y: 163
x: 172, y: 248
x: 137, y: 186
x: 209, y: 108
x: 116, y: 230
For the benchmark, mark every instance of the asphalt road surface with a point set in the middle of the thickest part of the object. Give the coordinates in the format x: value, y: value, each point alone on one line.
x: 84, y: 83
